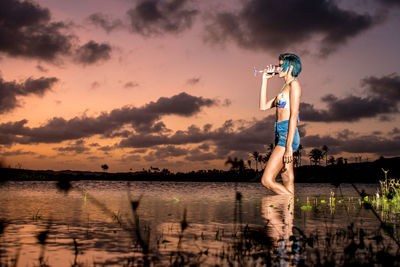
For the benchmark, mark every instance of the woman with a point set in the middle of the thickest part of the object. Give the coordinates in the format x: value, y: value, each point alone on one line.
x: 287, y: 137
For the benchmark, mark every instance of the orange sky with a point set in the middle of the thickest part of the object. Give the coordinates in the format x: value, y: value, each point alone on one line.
x: 191, y: 56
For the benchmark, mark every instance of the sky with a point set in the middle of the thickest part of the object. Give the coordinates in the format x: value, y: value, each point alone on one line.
x: 170, y: 84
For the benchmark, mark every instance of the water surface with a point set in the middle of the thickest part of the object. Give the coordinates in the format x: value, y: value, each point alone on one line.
x: 97, y: 215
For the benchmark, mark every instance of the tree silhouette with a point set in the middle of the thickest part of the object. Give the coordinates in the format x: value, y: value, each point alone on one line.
x: 299, y: 150
x: 249, y: 163
x: 260, y: 160
x: 316, y: 155
x: 104, y: 167
x: 236, y: 165
x: 331, y: 160
x: 266, y: 158
x: 255, y: 156
x: 325, y: 149
x: 296, y: 158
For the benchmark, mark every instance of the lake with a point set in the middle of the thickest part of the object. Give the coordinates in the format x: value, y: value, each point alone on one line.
x: 94, y: 223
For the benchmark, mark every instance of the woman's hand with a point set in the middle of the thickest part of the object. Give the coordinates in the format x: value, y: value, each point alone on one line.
x: 269, y: 72
x: 288, y: 156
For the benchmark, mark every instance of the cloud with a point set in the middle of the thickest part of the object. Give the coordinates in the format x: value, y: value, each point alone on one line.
x: 77, y: 147
x: 382, y: 98
x: 154, y: 17
x: 229, y: 138
x: 26, y: 31
x: 389, y: 3
x: 143, y: 119
x: 92, y: 52
x: 18, y: 152
x: 10, y: 91
x: 41, y: 68
x: 193, y: 81
x: 356, y: 143
x: 106, y: 148
x: 129, y: 85
x: 94, y: 85
x: 394, y: 131
x: 105, y: 22
x: 271, y: 26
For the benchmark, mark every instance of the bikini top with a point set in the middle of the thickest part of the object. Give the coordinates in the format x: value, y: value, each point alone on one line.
x: 282, y: 99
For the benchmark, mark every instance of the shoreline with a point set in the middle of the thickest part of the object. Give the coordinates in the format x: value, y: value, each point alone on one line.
x: 367, y: 172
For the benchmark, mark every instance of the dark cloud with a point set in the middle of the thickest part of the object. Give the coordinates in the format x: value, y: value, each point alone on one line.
x: 10, y: 91
x: 144, y: 120
x: 382, y: 98
x: 199, y: 155
x: 130, y: 85
x: 154, y: 17
x: 355, y: 143
x: 26, y: 30
x: 389, y: 3
x: 105, y: 22
x: 18, y: 152
x: 272, y: 26
x: 229, y: 138
x: 77, y: 147
x: 193, y: 81
x: 106, y: 148
x: 394, y: 131
x: 41, y: 68
x: 170, y: 151
x: 387, y: 87
x: 92, y: 52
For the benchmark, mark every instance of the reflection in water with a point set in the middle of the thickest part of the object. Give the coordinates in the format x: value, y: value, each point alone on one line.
x: 81, y: 230
x: 278, y: 211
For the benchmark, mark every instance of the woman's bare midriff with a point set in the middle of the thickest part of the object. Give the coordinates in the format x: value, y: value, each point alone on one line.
x: 282, y: 114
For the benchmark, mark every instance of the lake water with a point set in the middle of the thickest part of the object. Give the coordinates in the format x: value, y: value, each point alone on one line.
x: 93, y: 223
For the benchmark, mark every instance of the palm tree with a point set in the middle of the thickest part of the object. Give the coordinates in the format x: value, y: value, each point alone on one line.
x: 266, y: 158
x: 255, y: 156
x: 316, y: 155
x: 249, y: 163
x: 325, y: 149
x: 300, y: 149
x: 296, y: 156
x: 331, y: 160
x: 260, y: 160
x: 236, y: 165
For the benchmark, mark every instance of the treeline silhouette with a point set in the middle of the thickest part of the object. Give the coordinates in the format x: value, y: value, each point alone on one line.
x: 339, y: 172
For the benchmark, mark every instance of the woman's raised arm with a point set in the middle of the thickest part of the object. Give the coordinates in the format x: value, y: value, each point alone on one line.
x: 264, y: 102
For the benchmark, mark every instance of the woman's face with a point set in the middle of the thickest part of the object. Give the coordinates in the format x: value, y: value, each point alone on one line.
x: 281, y: 72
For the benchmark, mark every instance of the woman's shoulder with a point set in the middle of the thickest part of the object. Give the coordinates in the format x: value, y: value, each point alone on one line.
x: 295, y: 84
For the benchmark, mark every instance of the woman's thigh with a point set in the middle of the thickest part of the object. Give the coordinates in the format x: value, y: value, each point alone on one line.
x: 275, y: 162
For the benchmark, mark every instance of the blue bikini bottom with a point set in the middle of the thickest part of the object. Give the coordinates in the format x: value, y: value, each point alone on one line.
x: 281, y: 131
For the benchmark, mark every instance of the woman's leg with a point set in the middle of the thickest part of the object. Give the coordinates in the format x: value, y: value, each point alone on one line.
x: 288, y: 177
x: 274, y: 166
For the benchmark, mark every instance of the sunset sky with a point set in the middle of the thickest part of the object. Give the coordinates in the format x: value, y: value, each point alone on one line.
x: 170, y: 84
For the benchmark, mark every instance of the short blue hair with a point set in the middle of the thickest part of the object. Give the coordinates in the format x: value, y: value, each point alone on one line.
x: 291, y: 60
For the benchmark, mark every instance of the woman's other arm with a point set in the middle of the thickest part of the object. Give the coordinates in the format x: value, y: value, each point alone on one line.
x: 294, y: 95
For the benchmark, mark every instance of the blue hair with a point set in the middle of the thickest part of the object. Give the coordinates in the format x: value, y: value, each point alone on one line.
x: 291, y: 60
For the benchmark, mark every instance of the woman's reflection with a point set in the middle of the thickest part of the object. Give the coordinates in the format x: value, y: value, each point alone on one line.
x: 278, y: 211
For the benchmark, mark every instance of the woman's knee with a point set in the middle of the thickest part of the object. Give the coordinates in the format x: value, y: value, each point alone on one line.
x: 267, y: 182
x: 287, y: 176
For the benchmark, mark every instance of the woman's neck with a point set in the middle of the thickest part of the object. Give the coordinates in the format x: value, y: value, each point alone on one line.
x: 289, y: 79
